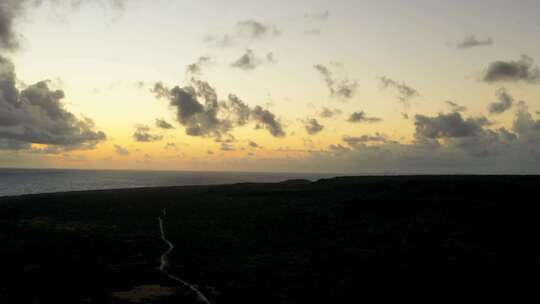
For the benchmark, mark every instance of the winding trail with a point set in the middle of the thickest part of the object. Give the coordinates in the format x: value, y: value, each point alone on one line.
x: 201, y: 298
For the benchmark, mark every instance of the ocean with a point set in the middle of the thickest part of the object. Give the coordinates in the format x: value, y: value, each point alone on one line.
x: 33, y: 181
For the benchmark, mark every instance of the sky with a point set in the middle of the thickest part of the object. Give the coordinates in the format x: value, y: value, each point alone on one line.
x: 341, y: 86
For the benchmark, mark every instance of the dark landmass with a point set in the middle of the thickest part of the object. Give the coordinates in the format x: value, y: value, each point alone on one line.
x: 445, y: 239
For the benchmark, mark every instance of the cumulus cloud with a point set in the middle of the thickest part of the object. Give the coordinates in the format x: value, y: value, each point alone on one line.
x: 313, y: 126
x: 142, y: 134
x: 267, y: 120
x: 405, y: 92
x: 329, y: 113
x: 361, y: 117
x: 454, y: 107
x: 471, y: 42
x: 522, y: 70
x: 196, y: 68
x: 36, y: 115
x: 121, y: 150
x: 246, y: 62
x: 338, y: 88
x: 201, y: 113
x: 504, y: 102
x: 9, y: 10
x: 451, y: 125
x: 163, y: 124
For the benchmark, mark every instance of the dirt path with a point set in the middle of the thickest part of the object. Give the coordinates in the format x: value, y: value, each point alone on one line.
x: 201, y: 298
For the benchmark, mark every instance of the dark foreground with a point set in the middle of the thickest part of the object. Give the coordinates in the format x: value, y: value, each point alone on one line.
x: 356, y: 240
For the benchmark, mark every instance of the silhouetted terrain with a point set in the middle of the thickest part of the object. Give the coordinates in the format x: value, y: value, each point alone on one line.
x: 358, y: 239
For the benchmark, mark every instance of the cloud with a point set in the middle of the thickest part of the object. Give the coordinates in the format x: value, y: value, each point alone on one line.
x: 245, y: 32
x: 360, y: 117
x: 199, y: 111
x: 196, y: 68
x: 364, y: 139
x: 405, y: 92
x: 270, y: 57
x: 338, y: 88
x: 329, y: 113
x: 247, y: 61
x: 10, y: 10
x: 227, y: 147
x: 454, y: 107
x: 163, y: 124
x: 522, y: 70
x: 471, y: 41
x: 450, y: 125
x: 524, y: 124
x: 313, y: 126
x: 36, y: 115
x: 504, y: 102
x: 121, y: 150
x: 142, y: 134
x: 267, y: 120
x: 171, y: 146
x: 198, y: 119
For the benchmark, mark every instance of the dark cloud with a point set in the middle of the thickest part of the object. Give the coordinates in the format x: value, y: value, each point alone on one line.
x: 199, y: 119
x: 471, y: 41
x: 247, y: 61
x: 450, y: 125
x: 454, y: 107
x: 267, y: 119
x: 513, y: 71
x: 338, y: 88
x: 121, y: 150
x: 163, y: 124
x: 238, y: 111
x: 313, y: 126
x: 199, y: 111
x: 405, y: 92
x: 525, y: 125
x: 9, y: 10
x: 361, y: 117
x: 142, y: 134
x: 329, y: 113
x: 36, y: 115
x: 196, y: 68
x: 504, y: 102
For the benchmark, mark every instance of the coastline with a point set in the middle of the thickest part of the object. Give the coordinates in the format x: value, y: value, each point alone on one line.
x: 329, y: 240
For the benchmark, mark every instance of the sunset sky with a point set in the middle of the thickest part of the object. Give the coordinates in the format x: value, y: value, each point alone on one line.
x: 418, y: 86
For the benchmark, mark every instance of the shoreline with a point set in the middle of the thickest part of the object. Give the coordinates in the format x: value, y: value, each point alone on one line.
x: 336, y: 178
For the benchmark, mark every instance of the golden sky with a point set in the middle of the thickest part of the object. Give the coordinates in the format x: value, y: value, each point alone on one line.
x: 411, y: 86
